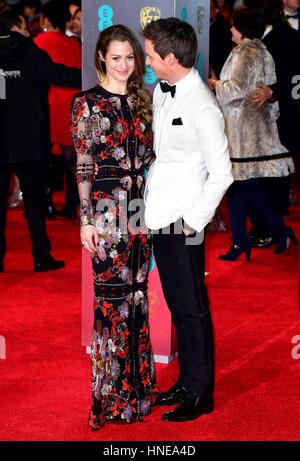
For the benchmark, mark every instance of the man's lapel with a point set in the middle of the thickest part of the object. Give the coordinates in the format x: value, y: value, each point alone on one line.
x: 157, y: 123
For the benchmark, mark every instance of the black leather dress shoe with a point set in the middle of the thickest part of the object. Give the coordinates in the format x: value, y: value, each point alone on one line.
x: 48, y: 264
x: 190, y: 408
x: 171, y: 397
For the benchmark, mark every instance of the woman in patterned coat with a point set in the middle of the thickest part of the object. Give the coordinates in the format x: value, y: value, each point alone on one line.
x: 111, y: 126
x: 255, y: 147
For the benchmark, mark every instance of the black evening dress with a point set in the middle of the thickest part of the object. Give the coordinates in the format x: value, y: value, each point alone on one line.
x: 107, y: 131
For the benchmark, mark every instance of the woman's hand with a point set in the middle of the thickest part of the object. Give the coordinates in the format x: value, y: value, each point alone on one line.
x: 212, y: 83
x: 261, y: 94
x: 89, y: 238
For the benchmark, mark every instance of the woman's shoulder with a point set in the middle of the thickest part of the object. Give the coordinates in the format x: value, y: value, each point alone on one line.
x: 250, y: 44
x: 250, y: 48
x: 50, y: 36
x: 91, y: 93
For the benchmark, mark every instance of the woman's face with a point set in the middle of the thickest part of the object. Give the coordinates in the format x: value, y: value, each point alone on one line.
x: 119, y: 61
x: 237, y: 37
x: 29, y: 12
x: 76, y: 23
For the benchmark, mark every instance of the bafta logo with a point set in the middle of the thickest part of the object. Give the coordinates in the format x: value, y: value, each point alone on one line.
x: 148, y: 14
x: 200, y: 17
x: 2, y: 347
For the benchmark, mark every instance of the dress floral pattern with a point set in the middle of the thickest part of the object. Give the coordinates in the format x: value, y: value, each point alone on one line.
x: 107, y: 131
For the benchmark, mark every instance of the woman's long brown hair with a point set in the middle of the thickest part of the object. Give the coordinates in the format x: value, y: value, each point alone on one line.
x: 140, y: 97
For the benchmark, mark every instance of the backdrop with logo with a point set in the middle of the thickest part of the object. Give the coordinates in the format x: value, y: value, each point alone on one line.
x: 97, y: 16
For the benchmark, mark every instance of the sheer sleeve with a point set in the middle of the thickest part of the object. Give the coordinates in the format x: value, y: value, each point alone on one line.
x: 149, y: 155
x: 82, y: 138
x: 83, y: 143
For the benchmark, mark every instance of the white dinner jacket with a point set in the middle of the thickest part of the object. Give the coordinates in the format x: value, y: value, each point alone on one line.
x: 192, y: 170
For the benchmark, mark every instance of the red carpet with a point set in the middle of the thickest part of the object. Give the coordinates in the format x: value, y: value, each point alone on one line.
x: 45, y: 378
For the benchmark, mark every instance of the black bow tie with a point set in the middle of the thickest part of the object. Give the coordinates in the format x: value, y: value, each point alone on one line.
x: 165, y: 87
x: 289, y: 16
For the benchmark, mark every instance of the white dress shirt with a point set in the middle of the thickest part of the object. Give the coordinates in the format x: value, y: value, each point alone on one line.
x: 294, y: 22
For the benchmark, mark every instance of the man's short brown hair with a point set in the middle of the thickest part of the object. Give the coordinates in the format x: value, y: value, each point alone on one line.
x: 173, y: 36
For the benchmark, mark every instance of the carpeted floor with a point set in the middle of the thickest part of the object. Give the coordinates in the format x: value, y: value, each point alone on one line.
x: 45, y: 378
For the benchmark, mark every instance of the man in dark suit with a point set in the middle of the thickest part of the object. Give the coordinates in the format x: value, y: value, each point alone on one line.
x: 27, y: 72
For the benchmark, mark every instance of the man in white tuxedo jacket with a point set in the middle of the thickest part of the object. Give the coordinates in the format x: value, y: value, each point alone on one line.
x: 184, y: 186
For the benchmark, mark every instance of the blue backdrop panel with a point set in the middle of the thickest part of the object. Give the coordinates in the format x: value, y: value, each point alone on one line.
x: 196, y: 13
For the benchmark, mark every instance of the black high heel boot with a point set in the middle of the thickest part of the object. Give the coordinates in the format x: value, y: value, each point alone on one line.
x: 284, y: 239
x: 236, y: 250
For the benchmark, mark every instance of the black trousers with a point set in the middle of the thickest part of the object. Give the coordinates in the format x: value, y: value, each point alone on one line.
x: 69, y: 154
x: 181, y: 270
x: 32, y: 187
x: 242, y: 194
x: 278, y: 190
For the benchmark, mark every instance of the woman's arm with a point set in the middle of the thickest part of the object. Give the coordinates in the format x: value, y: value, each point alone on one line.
x: 240, y: 77
x: 82, y: 138
x: 261, y: 94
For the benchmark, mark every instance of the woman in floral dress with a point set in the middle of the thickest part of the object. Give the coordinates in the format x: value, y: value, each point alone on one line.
x: 111, y: 127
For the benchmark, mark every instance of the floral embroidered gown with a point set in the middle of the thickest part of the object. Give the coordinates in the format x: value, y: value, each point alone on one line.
x: 106, y: 130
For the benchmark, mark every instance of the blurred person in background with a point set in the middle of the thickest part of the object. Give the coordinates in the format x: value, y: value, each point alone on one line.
x: 3, y: 5
x: 31, y: 10
x: 220, y: 43
x: 282, y: 42
x: 220, y: 46
x: 24, y: 130
x: 73, y: 6
x: 291, y: 13
x: 255, y: 147
x: 64, y: 50
x: 224, y: 9
x: 77, y: 25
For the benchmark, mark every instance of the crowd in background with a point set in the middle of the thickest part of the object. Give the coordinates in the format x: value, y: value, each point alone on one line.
x: 281, y: 36
x: 55, y: 26
x: 42, y: 73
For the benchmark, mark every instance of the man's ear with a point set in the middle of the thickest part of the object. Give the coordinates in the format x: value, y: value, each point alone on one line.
x: 171, y: 59
x: 100, y: 56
